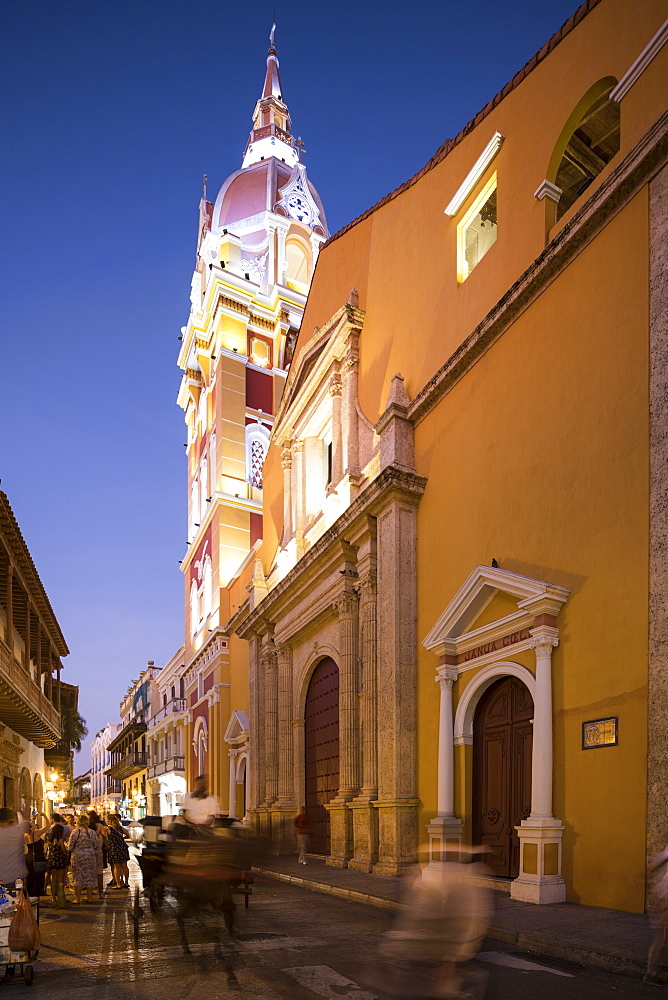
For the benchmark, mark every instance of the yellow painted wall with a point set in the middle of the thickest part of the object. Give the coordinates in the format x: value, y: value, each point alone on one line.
x: 540, y: 458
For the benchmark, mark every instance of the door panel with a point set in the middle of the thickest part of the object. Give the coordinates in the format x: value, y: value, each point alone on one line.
x: 321, y: 746
x: 502, y: 740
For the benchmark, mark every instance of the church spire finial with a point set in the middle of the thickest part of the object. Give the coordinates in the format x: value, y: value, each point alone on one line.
x: 272, y: 49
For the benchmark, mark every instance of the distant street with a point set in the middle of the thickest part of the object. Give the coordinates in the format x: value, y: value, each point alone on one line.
x: 292, y: 944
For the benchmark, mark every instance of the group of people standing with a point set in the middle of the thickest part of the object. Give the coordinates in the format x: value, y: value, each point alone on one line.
x: 45, y: 850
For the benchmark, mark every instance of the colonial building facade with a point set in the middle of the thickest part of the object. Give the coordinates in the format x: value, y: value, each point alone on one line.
x: 31, y: 644
x: 256, y: 252
x: 455, y: 623
x: 105, y: 791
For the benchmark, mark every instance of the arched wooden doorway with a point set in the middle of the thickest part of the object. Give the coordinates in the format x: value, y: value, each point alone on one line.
x: 321, y: 750
x: 502, y: 741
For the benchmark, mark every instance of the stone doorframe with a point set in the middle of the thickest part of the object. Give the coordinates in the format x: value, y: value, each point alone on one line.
x: 237, y: 737
x: 461, y: 648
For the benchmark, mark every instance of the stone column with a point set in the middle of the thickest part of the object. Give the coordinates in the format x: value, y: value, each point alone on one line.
x: 256, y: 775
x: 281, y: 260
x: 540, y: 879
x: 350, y: 433
x: 283, y: 811
x: 286, y: 462
x: 299, y: 486
x: 270, y: 670
x: 272, y: 275
x: 286, y: 794
x: 335, y: 390
x: 348, y: 607
x: 341, y: 833
x: 232, y: 796
x: 365, y: 815
x: 445, y: 830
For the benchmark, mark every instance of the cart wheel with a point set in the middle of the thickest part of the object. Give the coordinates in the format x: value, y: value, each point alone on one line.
x: 28, y: 974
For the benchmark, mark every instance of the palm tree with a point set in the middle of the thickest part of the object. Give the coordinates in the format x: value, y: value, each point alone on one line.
x: 74, y: 731
x: 74, y: 727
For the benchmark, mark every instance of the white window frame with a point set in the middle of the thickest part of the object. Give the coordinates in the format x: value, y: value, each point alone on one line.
x: 462, y: 267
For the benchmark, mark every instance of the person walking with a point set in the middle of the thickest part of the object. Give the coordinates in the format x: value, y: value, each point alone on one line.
x: 35, y: 855
x: 58, y: 858
x: 82, y: 845
x: 101, y: 851
x: 119, y: 854
x: 658, y: 866
x: 302, y: 825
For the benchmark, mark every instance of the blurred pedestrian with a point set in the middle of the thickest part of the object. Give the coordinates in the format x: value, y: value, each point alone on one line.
x: 35, y: 855
x: 12, y: 846
x: 438, y: 931
x: 302, y: 824
x: 658, y: 866
x: 82, y: 846
x: 58, y: 858
x: 119, y: 855
x: 201, y: 808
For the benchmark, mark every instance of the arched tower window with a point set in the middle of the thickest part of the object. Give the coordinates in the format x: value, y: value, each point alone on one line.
x: 194, y: 608
x: 297, y: 261
x: 207, y: 588
x: 257, y: 444
x: 588, y: 141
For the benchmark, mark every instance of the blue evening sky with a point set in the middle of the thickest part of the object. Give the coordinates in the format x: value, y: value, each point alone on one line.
x: 111, y: 112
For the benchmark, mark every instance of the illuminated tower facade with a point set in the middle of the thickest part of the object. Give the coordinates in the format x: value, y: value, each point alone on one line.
x: 256, y: 252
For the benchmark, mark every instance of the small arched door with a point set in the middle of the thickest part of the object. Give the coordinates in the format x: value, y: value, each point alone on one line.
x: 502, y: 742
x: 321, y: 750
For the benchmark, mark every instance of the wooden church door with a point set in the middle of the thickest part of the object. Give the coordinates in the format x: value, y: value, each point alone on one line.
x: 502, y: 742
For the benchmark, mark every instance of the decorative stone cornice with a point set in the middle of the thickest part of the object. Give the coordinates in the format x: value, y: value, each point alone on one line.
x: 391, y: 482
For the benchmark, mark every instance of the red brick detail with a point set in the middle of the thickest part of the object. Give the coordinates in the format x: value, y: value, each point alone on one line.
x: 255, y: 528
x: 259, y: 391
x: 545, y: 620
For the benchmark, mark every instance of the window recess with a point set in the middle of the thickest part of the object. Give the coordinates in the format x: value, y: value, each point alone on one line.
x: 477, y: 231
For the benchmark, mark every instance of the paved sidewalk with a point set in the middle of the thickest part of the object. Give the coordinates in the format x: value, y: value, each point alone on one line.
x: 588, y: 935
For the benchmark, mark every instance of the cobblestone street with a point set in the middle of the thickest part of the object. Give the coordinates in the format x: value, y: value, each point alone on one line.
x: 290, y: 943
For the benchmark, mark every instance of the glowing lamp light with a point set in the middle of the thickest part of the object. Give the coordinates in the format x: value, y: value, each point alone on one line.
x: 54, y: 777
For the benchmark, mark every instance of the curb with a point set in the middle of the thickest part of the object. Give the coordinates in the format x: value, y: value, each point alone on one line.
x: 536, y: 943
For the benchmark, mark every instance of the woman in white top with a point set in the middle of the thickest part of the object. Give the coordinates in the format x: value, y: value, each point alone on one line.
x: 12, y: 847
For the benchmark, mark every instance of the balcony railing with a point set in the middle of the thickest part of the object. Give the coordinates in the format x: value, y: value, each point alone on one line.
x: 175, y: 705
x: 170, y: 765
x: 128, y: 765
x: 23, y: 705
x: 113, y: 787
x: 58, y: 756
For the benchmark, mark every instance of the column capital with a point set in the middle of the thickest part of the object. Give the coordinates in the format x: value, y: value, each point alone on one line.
x: 286, y: 458
x: 335, y: 386
x: 368, y: 586
x: 298, y: 447
x: 446, y: 676
x: 283, y: 653
x: 268, y: 659
x: 346, y: 605
x: 544, y: 637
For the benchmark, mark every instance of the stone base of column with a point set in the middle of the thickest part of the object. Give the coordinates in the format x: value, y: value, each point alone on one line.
x: 340, y: 833
x: 540, y: 879
x: 397, y: 836
x: 263, y: 821
x: 445, y: 839
x: 365, y: 835
x: 283, y: 835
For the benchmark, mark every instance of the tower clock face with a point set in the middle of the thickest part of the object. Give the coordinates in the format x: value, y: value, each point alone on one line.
x: 298, y: 208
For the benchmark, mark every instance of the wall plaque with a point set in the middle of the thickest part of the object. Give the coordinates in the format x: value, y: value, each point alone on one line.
x: 599, y: 733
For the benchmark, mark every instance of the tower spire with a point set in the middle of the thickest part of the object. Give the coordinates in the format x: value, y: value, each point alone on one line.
x: 271, y: 134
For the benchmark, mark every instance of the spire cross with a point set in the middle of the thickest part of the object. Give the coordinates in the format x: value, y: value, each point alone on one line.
x: 271, y: 33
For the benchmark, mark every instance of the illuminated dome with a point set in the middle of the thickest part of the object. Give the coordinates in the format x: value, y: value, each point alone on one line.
x: 262, y: 187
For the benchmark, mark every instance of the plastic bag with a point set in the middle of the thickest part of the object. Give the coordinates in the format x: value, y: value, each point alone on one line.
x: 23, y: 930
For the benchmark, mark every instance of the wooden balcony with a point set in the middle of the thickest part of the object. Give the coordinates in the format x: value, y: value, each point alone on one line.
x: 170, y: 765
x: 173, y: 707
x: 23, y: 706
x: 58, y: 756
x: 128, y: 765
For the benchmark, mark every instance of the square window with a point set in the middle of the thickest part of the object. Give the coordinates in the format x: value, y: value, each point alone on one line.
x: 477, y: 231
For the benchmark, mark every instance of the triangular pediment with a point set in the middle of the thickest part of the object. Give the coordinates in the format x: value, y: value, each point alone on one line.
x: 238, y: 727
x: 470, y: 610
